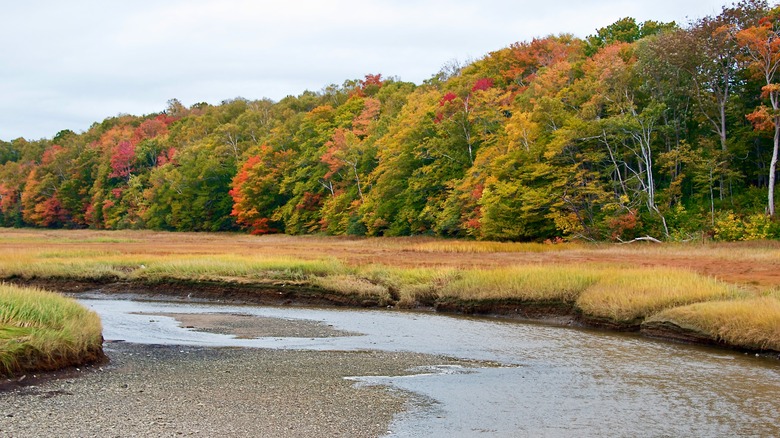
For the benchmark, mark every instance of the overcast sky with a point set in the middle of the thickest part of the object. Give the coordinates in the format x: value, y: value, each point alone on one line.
x: 67, y: 64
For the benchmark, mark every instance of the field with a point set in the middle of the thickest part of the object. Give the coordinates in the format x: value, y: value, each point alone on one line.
x: 705, y: 290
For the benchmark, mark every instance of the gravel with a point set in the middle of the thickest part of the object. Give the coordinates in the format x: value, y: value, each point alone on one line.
x: 148, y: 390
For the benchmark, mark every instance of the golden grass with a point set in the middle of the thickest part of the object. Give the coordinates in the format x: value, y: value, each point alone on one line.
x: 80, y: 265
x: 525, y: 283
x: 619, y: 283
x: 465, y: 246
x: 42, y: 330
x: 752, y: 323
x: 233, y: 266
x: 56, y: 268
x: 633, y: 294
x: 352, y: 285
x: 410, y: 286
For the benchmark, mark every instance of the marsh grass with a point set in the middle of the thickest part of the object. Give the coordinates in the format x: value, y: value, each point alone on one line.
x: 42, y: 330
x: 233, y: 266
x: 524, y: 283
x: 410, y: 286
x: 752, y: 323
x: 81, y: 265
x: 465, y: 246
x: 353, y: 285
x: 601, y: 281
x: 58, y: 268
x: 629, y: 295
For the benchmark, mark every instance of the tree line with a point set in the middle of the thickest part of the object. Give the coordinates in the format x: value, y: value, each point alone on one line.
x: 641, y: 129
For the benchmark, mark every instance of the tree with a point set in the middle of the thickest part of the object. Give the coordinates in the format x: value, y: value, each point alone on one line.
x: 625, y: 30
x: 762, y: 45
x: 256, y: 190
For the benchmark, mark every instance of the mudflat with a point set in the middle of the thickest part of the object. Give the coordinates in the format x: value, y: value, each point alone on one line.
x: 191, y: 391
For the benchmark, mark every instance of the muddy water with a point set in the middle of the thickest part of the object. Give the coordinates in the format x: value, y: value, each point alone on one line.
x: 542, y: 380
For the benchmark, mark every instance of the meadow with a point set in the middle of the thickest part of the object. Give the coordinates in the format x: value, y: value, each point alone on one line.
x: 728, y: 294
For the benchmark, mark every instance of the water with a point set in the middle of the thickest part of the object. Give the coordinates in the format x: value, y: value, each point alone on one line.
x: 549, y: 381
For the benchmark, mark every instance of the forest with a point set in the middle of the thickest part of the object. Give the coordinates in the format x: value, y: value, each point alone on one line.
x: 640, y: 129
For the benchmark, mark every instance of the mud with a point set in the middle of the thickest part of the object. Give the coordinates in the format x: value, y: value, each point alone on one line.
x: 251, y: 326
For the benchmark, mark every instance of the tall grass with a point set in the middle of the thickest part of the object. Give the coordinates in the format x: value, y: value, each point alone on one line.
x: 409, y: 286
x: 525, y: 283
x: 627, y: 296
x: 233, y: 266
x: 465, y: 246
x: 353, y: 285
x: 108, y: 266
x: 749, y: 323
x: 58, y: 268
x: 41, y: 330
x: 406, y: 272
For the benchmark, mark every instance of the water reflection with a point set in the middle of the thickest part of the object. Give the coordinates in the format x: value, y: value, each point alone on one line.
x: 552, y: 381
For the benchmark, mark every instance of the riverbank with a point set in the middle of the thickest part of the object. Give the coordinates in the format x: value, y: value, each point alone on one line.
x: 151, y: 390
x: 44, y: 331
x: 554, y: 313
x: 662, y: 290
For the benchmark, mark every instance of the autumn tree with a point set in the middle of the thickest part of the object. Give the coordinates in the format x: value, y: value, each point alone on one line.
x: 762, y: 46
x: 256, y: 191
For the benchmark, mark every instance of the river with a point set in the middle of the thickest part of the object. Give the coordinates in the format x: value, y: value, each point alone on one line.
x: 535, y: 379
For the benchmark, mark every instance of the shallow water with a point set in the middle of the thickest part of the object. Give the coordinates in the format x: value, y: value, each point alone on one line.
x: 551, y: 381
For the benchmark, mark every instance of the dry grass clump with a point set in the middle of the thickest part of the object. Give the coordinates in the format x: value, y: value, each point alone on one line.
x: 524, y: 283
x: 352, y: 285
x: 627, y: 296
x: 410, y: 286
x: 42, y: 330
x: 752, y: 323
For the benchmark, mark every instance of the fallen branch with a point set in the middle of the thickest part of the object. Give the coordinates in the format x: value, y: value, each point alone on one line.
x: 641, y: 239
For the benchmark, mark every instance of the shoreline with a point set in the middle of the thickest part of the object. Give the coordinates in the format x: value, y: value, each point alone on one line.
x: 152, y: 390
x: 286, y: 293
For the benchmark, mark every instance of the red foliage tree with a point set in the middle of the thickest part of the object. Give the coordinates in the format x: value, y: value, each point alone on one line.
x: 482, y: 84
x: 122, y: 159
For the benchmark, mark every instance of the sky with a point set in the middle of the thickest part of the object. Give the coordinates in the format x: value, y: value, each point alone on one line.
x: 68, y: 64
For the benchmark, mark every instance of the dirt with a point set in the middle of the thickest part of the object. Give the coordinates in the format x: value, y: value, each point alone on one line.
x: 250, y: 326
x: 152, y: 390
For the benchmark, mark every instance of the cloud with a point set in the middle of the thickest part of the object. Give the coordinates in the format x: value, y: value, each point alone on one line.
x: 66, y: 65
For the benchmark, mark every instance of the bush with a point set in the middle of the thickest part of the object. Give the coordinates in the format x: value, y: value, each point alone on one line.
x: 732, y: 227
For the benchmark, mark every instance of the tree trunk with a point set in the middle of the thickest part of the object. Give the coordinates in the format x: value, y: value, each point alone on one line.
x: 773, y: 169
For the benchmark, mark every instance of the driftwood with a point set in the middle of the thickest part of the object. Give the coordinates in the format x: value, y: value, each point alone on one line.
x: 641, y: 239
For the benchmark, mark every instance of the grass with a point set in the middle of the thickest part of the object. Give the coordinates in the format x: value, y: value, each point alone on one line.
x: 752, y: 323
x: 233, y: 266
x: 110, y: 266
x: 463, y: 246
x: 354, y: 285
x: 42, y: 330
x: 411, y: 287
x: 619, y: 284
x: 629, y: 296
x: 523, y: 283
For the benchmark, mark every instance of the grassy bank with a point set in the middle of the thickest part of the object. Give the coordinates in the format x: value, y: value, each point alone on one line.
x: 752, y: 323
x: 42, y: 330
x: 614, y: 286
